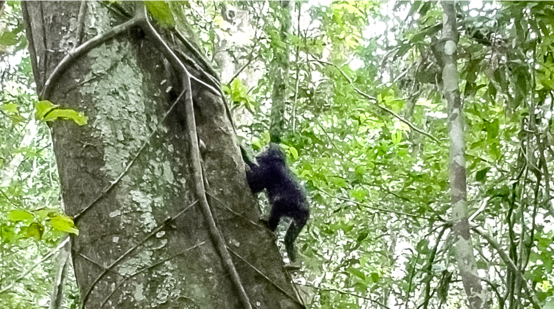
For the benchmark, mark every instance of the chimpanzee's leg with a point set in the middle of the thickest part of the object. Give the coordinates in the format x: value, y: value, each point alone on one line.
x: 294, y: 229
x: 274, y: 216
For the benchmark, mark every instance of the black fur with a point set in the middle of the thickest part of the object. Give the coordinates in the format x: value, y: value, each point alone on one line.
x: 286, y: 195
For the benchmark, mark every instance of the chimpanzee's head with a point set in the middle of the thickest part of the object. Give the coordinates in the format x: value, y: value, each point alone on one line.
x: 273, y: 154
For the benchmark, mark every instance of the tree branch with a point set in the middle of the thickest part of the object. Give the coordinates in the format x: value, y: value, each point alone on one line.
x: 511, y: 265
x: 383, y: 108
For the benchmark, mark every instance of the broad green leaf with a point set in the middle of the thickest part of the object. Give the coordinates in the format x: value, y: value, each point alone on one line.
x: 16, y: 118
x: 8, y: 39
x: 293, y: 152
x: 64, y: 223
x: 363, y: 235
x: 46, y: 213
x: 9, y: 108
x: 35, y: 230
x: 375, y: 277
x: 357, y: 273
x: 257, y: 144
x: 20, y: 215
x: 46, y: 111
x: 78, y: 117
x: 359, y: 194
x: 43, y: 107
x: 482, y: 174
x: 161, y: 13
x: 492, y: 128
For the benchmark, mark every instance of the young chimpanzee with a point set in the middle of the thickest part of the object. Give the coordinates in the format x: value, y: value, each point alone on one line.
x: 286, y: 195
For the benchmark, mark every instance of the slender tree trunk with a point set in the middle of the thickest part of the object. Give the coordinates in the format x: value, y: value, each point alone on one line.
x: 280, y: 68
x: 467, y: 265
x: 126, y: 175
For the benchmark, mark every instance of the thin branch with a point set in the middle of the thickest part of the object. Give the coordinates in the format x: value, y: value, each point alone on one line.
x: 346, y: 293
x: 6, y: 196
x: 116, y: 8
x: 242, y: 69
x: 376, y: 208
x: 216, y: 89
x: 215, y: 84
x: 232, y: 211
x: 429, y: 267
x: 329, y: 138
x: 63, y: 261
x: 383, y: 108
x: 511, y: 265
x: 297, y: 60
x: 197, y: 54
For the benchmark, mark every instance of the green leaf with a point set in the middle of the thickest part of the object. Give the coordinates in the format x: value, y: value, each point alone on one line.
x: 375, y: 277
x: 363, y: 235
x: 293, y: 152
x: 15, y: 118
x: 9, y: 108
x: 78, y: 117
x: 397, y: 137
x: 492, y: 128
x: 482, y: 174
x: 414, y: 7
x: 20, y: 215
x: 160, y: 12
x: 46, y: 111
x: 356, y: 273
x: 45, y: 213
x: 42, y: 108
x: 8, y: 39
x: 64, y: 223
x: 359, y: 194
x: 35, y: 230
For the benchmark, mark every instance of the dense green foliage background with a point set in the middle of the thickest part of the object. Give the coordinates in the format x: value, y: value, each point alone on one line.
x: 379, y: 235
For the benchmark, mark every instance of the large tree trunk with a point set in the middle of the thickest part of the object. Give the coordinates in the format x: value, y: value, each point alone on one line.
x: 127, y: 172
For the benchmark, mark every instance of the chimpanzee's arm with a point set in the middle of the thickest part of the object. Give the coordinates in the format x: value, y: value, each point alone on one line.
x: 255, y: 174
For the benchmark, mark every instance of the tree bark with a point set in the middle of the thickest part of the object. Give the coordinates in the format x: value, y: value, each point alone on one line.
x: 126, y: 175
x: 280, y: 68
x: 467, y: 265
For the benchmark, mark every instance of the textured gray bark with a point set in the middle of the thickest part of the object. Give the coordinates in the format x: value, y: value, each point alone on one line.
x: 467, y: 266
x: 128, y: 255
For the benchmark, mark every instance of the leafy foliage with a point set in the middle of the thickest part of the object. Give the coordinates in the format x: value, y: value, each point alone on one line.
x: 46, y: 111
